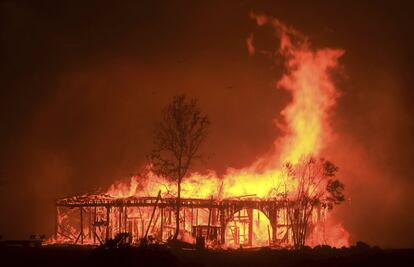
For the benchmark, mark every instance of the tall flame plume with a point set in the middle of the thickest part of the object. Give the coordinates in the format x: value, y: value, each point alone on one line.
x: 306, y: 132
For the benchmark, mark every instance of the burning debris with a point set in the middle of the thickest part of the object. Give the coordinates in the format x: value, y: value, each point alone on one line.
x: 282, y: 199
x: 281, y: 221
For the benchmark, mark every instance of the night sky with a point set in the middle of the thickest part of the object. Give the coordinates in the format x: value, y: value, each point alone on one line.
x: 83, y: 85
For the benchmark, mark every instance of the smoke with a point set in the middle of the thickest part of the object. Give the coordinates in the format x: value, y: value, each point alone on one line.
x: 364, y: 143
x: 83, y: 87
x: 368, y: 149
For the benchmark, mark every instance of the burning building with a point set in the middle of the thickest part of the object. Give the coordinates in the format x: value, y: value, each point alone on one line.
x: 95, y: 218
x: 281, y: 199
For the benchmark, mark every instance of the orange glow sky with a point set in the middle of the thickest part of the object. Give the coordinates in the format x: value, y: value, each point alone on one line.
x: 83, y: 86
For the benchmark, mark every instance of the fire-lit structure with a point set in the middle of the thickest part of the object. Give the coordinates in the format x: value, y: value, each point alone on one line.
x: 245, y: 207
x: 96, y: 218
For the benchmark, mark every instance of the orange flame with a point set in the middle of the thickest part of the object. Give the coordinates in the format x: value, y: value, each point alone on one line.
x: 307, y: 132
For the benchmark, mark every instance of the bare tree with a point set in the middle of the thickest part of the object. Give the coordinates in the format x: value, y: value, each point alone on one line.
x: 178, y: 137
x: 315, y: 186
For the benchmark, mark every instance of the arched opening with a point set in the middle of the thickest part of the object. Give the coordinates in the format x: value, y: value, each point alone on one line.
x: 249, y: 227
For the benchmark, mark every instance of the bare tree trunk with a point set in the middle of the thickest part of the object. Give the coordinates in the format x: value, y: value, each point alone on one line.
x: 299, y: 218
x: 294, y: 219
x: 177, y: 211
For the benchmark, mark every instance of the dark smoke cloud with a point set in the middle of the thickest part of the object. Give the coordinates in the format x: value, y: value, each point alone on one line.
x: 83, y: 86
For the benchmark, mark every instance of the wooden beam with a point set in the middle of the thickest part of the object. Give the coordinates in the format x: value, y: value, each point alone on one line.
x: 125, y: 219
x: 162, y: 223
x: 152, y: 215
x: 56, y: 221
x: 107, y: 221
x: 208, y: 225
x: 81, y: 225
x: 94, y: 226
x: 250, y: 215
x: 222, y: 226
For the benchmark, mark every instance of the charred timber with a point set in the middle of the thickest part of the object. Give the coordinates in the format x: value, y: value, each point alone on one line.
x: 94, y: 201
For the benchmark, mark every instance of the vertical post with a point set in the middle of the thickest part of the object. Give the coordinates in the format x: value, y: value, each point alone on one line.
x: 237, y: 234
x: 142, y: 228
x: 244, y: 225
x: 56, y: 221
x: 107, y: 221
x: 125, y: 219
x: 153, y: 212
x: 208, y: 225
x: 250, y: 215
x: 192, y: 218
x: 90, y: 223
x: 268, y: 234
x: 162, y: 222
x: 136, y: 228
x: 215, y: 217
x: 274, y: 224
x: 222, y: 227
x: 184, y: 218
x: 81, y: 224
x: 94, y: 226
x: 120, y: 219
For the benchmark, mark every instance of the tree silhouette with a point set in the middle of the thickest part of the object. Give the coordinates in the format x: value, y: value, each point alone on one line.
x: 177, y: 140
x: 315, y: 186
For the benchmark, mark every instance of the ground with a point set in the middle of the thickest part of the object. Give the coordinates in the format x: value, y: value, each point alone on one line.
x: 162, y: 256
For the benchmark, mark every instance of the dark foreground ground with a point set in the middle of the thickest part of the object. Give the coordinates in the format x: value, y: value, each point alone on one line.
x: 162, y: 256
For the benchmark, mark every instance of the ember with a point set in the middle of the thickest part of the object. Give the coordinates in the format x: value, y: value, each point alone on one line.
x: 282, y: 199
